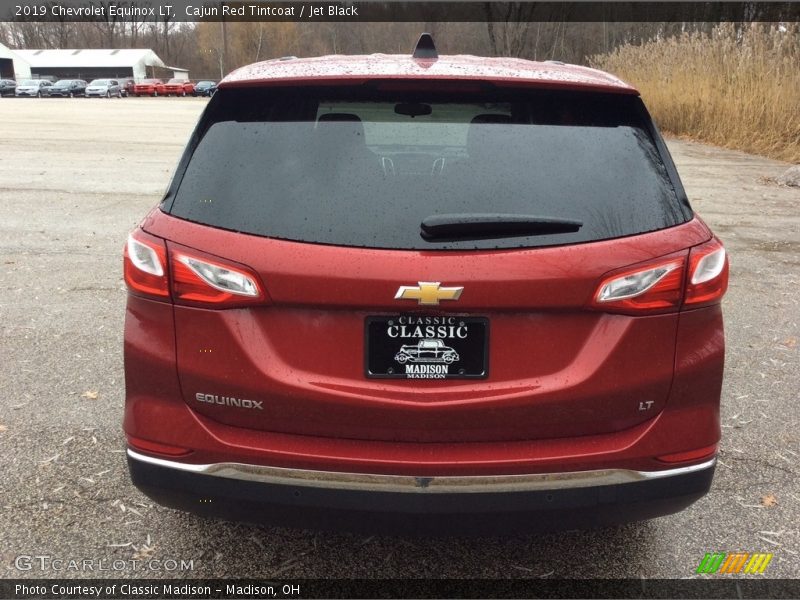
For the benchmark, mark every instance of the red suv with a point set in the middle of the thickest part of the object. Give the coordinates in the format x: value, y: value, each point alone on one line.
x: 176, y: 87
x: 333, y: 216
x: 148, y: 87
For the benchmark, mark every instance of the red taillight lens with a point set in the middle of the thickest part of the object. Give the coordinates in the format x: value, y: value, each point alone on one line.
x: 667, y: 284
x: 195, y: 279
x: 708, y: 274
x: 200, y: 279
x: 145, y: 265
x: 650, y: 288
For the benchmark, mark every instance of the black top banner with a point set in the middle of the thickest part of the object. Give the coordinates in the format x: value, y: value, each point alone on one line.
x: 206, y: 10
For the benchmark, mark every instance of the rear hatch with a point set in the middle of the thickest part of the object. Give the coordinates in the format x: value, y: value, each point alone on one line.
x: 429, y: 262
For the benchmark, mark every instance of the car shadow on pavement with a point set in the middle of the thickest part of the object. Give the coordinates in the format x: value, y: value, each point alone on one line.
x: 250, y: 551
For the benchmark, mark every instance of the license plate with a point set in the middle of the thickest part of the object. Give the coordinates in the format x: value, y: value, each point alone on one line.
x: 426, y: 347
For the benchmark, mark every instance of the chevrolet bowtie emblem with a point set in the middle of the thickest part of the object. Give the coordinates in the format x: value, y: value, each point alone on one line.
x: 428, y: 292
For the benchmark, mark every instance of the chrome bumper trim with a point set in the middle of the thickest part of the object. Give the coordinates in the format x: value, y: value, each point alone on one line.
x: 409, y: 483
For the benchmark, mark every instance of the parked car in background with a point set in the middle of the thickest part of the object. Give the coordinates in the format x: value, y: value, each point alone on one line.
x: 147, y: 87
x: 103, y: 88
x: 176, y: 87
x: 7, y: 87
x: 335, y: 364
x: 67, y: 88
x: 35, y: 88
x: 126, y: 86
x: 204, y: 88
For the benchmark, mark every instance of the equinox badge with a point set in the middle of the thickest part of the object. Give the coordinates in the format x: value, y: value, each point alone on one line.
x: 428, y: 292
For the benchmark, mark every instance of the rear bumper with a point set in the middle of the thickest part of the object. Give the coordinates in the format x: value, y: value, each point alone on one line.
x: 465, y: 504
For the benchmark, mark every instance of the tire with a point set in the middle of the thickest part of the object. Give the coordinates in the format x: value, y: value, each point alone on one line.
x: 119, y: 93
x: 108, y: 94
x: 402, y: 359
x: 38, y: 94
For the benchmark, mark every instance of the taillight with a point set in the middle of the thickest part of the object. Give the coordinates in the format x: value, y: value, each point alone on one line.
x: 145, y: 265
x: 200, y: 279
x: 708, y: 274
x: 667, y: 284
x: 192, y: 277
x: 652, y: 287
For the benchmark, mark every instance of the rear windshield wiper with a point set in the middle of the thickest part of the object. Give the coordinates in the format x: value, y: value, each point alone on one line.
x: 492, y: 225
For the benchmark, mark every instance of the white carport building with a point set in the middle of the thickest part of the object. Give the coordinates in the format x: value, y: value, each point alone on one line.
x: 93, y: 63
x: 12, y: 65
x: 178, y: 73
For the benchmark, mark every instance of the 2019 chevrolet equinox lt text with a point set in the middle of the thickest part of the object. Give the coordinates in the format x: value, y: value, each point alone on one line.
x: 330, y: 215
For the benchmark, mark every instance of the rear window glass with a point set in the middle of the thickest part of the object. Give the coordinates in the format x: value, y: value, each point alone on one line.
x: 365, y: 168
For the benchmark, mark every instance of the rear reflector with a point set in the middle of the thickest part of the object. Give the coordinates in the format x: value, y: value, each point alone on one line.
x: 156, y: 447
x: 698, y: 454
x: 145, y: 264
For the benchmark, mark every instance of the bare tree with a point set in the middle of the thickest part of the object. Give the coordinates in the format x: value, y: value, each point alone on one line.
x: 107, y: 28
x: 508, y: 25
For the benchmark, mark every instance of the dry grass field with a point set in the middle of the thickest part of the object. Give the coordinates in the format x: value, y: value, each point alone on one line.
x: 736, y: 89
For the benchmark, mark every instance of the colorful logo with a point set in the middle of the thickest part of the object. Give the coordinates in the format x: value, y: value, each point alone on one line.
x: 734, y: 562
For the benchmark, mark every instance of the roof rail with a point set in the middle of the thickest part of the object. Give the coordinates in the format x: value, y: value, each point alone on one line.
x: 425, y: 48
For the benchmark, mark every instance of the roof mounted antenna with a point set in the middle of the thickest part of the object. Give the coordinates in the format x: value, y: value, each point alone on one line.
x: 425, y: 48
